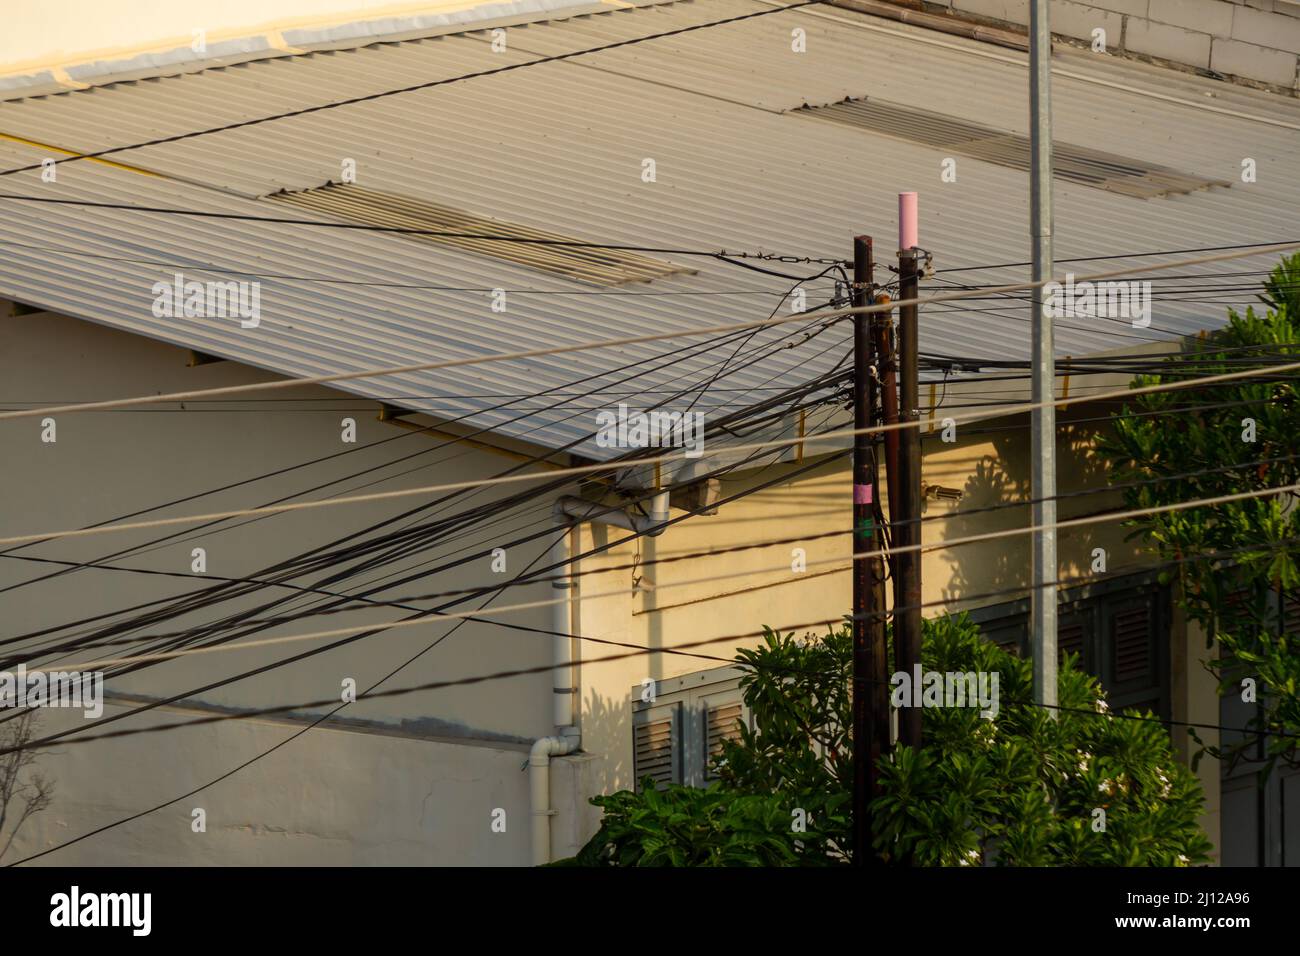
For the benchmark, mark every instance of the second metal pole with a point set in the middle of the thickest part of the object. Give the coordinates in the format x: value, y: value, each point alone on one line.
x: 1042, y: 420
x: 907, y: 532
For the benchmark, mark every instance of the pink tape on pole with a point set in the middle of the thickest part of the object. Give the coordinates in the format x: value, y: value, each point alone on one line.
x: 907, y: 220
x: 862, y: 494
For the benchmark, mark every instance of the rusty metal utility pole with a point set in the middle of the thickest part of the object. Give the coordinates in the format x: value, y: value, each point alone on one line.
x: 870, y: 677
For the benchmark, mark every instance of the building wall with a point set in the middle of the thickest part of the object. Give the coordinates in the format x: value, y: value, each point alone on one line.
x: 331, y: 797
x: 988, y: 462
x: 416, y: 778
x: 1255, y: 39
x: 330, y: 783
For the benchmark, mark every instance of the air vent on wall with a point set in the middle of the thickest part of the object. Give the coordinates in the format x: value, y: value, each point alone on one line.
x: 1076, y: 164
x: 597, y: 266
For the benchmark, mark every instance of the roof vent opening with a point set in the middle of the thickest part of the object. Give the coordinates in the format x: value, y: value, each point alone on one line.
x: 1076, y: 164
x: 540, y: 249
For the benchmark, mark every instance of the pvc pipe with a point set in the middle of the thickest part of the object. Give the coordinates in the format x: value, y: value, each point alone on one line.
x: 580, y: 509
x: 569, y: 510
x: 563, y: 686
x: 539, y: 791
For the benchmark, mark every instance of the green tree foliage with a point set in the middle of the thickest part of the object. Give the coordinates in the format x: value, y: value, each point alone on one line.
x: 1236, y: 562
x: 1020, y: 789
x: 1026, y: 788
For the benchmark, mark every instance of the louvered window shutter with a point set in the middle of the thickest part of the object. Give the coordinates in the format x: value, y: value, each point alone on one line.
x: 1291, y: 612
x: 1010, y: 635
x: 1132, y: 653
x: 1070, y: 635
x: 1131, y: 644
x: 722, y: 723
x: 656, y: 752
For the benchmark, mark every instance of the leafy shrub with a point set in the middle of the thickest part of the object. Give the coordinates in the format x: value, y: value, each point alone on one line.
x: 1020, y: 789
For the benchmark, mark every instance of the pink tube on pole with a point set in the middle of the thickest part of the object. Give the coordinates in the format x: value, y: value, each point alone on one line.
x: 907, y: 217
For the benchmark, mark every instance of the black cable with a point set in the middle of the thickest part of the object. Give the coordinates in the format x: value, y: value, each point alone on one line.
x: 407, y: 602
x: 1191, y: 408
x: 327, y: 280
x: 432, y: 612
x: 1124, y: 255
x: 641, y: 650
x: 337, y: 707
x: 327, y: 558
x: 705, y: 346
x: 369, y: 227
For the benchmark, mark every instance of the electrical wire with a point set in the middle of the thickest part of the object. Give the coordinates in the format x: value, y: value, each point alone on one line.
x: 329, y: 558
x: 407, y: 602
x: 423, y: 287
x: 1121, y: 255
x: 642, y: 650
x: 593, y: 469
x: 1293, y: 489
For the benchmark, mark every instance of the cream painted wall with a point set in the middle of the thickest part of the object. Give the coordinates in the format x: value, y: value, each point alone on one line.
x: 417, y: 782
x: 330, y: 798
x: 1196, y: 700
x: 106, y: 464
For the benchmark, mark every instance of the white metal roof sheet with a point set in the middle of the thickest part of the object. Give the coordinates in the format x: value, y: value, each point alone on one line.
x: 559, y: 146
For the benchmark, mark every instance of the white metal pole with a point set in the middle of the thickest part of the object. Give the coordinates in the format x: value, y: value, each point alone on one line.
x: 1042, y: 418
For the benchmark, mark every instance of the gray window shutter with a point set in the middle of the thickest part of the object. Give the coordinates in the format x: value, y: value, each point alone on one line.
x: 1131, y: 644
x: 1119, y: 631
x: 723, y: 724
x: 1070, y: 636
x: 655, y: 751
x: 1133, y: 668
x: 675, y: 737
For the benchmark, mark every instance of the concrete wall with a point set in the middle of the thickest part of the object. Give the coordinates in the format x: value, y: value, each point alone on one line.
x: 330, y: 798
x: 349, y: 795
x: 989, y: 463
x: 1258, y: 40
x: 1196, y: 700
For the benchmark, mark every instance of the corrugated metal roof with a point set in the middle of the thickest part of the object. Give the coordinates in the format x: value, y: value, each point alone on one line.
x: 438, y: 224
x: 560, y: 147
x: 957, y: 137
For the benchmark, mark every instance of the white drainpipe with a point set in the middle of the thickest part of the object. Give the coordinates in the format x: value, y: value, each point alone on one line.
x: 568, y: 512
